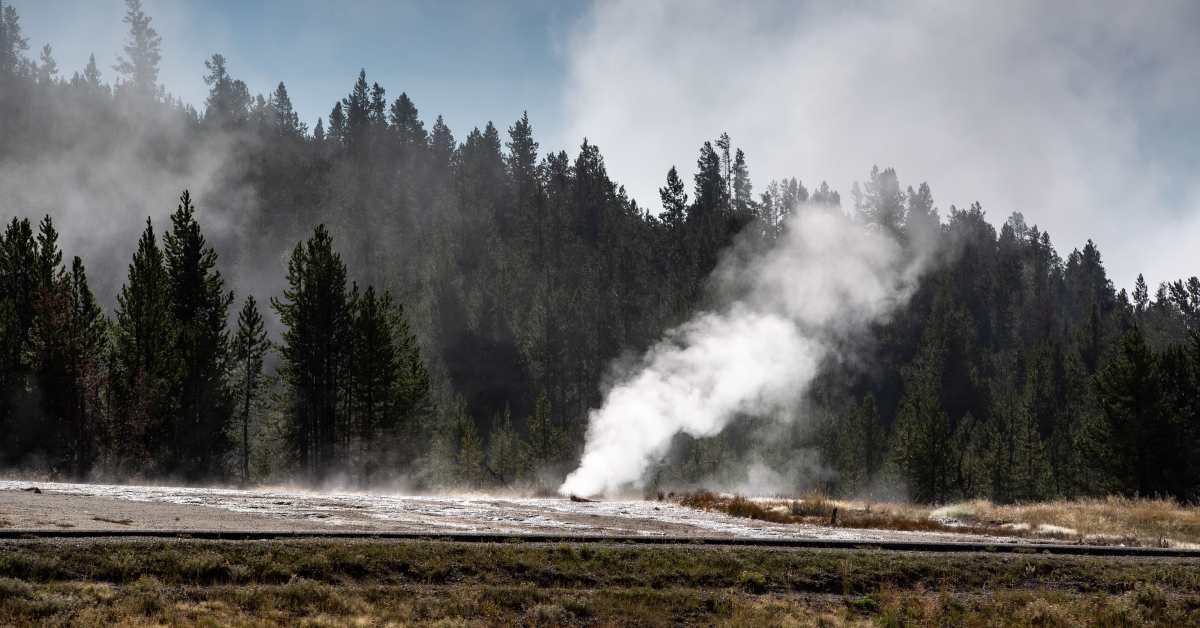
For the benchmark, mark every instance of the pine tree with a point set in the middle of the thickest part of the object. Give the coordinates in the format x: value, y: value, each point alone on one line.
x: 743, y: 200
x: 66, y: 345
x: 319, y: 132
x: 413, y: 384
x: 523, y: 213
x: 1021, y: 473
x: 89, y: 343
x: 674, y: 201
x: 441, y: 147
x: 49, y: 262
x: 229, y: 100
x: 710, y: 193
x: 91, y: 75
x: 404, y: 122
x: 284, y: 118
x: 859, y: 448
x: 373, y: 373
x: 471, y: 457
x: 146, y: 368
x: 337, y: 124
x: 725, y: 145
x: 923, y: 431
x: 250, y: 345
x: 315, y: 313
x: 378, y: 108
x: 1129, y: 396
x: 139, y: 66
x: 972, y: 445
x: 506, y: 455
x: 824, y: 196
x: 357, y: 107
x: 547, y: 441
x: 1141, y: 295
x: 47, y: 68
x: 199, y: 309
x: 11, y: 42
x: 20, y: 288
x: 881, y: 200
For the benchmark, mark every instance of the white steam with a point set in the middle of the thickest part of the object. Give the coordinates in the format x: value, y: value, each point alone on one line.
x: 826, y: 278
x: 1079, y: 113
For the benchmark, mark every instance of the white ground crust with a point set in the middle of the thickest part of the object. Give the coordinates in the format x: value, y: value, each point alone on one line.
x: 101, y: 506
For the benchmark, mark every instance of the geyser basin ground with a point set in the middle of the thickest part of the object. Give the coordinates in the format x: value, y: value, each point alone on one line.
x: 104, y: 507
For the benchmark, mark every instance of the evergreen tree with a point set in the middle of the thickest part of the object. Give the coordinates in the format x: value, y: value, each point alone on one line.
x: 12, y: 44
x: 880, y: 201
x: 522, y: 162
x: 710, y: 193
x: 91, y: 75
x: 357, y: 107
x: 373, y: 376
x: 47, y: 68
x: 250, y: 345
x: 315, y: 313
x: 284, y: 118
x: 1128, y: 388
x: 506, y: 456
x: 199, y: 309
x: 89, y: 343
x: 49, y: 263
x: 139, y: 66
x: 742, y: 188
x: 337, y: 124
x: 674, y: 201
x: 547, y: 441
x: 923, y: 430
x: 19, y: 278
x: 146, y: 368
x: 441, y: 147
x: 404, y: 121
x: 229, y: 100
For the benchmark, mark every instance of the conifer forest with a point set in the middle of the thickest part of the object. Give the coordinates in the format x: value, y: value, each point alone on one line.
x: 376, y: 299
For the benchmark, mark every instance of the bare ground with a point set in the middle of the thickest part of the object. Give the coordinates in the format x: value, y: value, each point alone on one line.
x: 111, y: 507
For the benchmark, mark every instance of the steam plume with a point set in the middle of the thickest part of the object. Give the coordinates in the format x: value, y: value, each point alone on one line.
x: 824, y: 279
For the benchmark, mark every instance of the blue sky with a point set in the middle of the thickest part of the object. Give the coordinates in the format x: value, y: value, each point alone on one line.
x: 469, y: 61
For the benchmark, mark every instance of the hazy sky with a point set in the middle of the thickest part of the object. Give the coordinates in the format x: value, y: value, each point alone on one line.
x: 1080, y: 114
x: 469, y: 61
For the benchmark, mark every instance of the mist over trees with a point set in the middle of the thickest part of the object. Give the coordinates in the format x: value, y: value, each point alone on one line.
x: 446, y: 312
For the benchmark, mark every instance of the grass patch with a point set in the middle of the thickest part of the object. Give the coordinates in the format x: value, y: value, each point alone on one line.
x: 818, y: 510
x: 1113, y: 520
x: 363, y: 582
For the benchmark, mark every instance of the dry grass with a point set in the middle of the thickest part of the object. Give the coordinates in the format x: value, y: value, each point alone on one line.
x: 1114, y: 520
x: 123, y: 522
x: 1156, y: 522
x: 818, y: 510
x: 369, y: 583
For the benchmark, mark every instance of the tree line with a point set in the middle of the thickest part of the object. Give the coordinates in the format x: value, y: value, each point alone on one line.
x: 496, y: 284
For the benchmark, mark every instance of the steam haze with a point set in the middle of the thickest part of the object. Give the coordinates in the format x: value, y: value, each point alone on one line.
x: 756, y: 355
x: 1075, y: 113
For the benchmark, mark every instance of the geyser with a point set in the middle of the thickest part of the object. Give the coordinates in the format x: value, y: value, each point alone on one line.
x: 825, y: 278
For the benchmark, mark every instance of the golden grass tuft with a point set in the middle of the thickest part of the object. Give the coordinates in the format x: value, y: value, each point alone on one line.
x: 1111, y: 520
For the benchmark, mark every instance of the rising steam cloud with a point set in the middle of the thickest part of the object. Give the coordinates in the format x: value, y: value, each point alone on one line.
x: 826, y: 278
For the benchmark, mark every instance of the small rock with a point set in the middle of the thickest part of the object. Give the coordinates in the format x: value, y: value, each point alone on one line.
x: 33, y: 489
